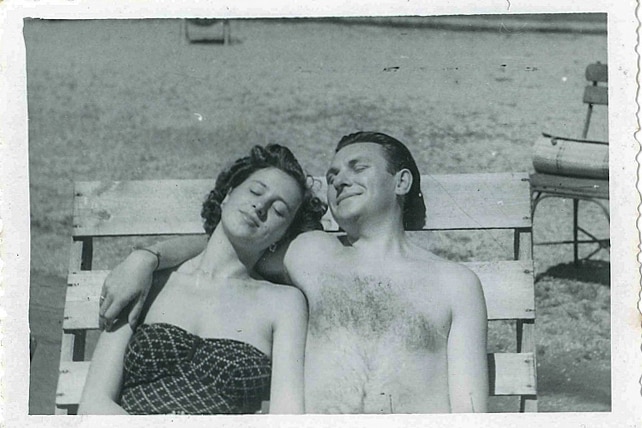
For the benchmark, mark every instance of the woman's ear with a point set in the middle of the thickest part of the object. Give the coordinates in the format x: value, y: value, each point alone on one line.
x: 404, y: 182
x: 224, y: 201
x: 227, y: 195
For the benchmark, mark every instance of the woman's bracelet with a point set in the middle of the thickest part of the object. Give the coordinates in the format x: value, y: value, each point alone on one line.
x: 156, y: 253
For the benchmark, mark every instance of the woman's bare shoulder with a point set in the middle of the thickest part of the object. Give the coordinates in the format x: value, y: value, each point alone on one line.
x: 282, y: 302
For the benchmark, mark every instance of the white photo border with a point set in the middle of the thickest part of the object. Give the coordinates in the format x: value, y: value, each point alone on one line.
x: 626, y: 319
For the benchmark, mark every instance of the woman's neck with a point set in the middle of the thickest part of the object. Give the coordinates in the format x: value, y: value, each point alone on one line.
x: 221, y: 259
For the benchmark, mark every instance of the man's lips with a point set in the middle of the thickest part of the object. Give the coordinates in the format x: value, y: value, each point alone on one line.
x: 344, y: 196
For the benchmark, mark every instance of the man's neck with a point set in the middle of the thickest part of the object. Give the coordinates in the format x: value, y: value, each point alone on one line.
x: 379, y: 240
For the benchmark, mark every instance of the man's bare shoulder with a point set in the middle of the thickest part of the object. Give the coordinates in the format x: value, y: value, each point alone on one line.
x: 423, y: 260
x: 310, y: 244
x: 315, y: 237
x: 451, y: 277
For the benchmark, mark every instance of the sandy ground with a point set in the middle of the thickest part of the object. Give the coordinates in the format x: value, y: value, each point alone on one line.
x: 134, y: 100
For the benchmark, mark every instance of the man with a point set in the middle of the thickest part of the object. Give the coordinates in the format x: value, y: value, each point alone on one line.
x: 392, y: 327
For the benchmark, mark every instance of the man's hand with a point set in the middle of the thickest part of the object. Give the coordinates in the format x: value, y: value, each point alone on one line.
x: 126, y: 285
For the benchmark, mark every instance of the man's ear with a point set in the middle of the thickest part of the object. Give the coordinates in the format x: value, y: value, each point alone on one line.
x: 404, y: 182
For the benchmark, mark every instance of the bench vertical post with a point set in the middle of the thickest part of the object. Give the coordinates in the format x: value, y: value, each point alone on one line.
x: 523, y: 250
x: 523, y: 244
x: 82, y: 251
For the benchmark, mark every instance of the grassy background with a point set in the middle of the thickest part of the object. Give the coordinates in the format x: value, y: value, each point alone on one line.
x: 122, y: 100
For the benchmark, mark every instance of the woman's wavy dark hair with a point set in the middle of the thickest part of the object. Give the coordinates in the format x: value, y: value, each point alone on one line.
x: 308, y: 216
x: 398, y: 157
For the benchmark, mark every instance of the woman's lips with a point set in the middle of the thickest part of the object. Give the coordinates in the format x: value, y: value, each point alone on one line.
x: 249, y: 218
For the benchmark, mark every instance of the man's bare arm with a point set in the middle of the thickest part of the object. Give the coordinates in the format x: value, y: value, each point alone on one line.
x: 467, y: 361
x: 129, y: 282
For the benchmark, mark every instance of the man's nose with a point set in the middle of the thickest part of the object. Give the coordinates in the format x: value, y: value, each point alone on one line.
x: 340, y: 182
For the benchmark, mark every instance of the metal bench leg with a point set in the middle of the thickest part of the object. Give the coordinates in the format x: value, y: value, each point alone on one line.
x: 535, y: 199
x: 226, y: 32
x: 576, y: 203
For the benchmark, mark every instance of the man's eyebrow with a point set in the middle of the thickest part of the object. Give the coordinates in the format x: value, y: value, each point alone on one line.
x: 352, y: 162
x: 355, y: 161
x: 331, y: 170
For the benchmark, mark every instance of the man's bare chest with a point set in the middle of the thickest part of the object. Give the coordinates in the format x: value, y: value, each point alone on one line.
x: 377, y: 308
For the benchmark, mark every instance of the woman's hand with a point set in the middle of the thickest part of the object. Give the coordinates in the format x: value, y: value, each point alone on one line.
x: 127, y: 285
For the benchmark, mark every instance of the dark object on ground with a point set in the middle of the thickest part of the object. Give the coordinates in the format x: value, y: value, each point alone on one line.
x: 203, y: 30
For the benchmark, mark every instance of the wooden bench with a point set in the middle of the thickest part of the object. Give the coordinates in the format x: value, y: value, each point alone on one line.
x: 171, y: 207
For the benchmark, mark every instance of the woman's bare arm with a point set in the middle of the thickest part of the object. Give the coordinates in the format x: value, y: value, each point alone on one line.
x: 129, y: 282
x: 102, y: 387
x: 288, y: 350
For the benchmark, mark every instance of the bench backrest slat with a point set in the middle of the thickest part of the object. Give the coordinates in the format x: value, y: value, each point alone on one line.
x: 597, y: 72
x: 457, y: 201
x: 596, y: 95
x: 160, y: 207
x: 508, y: 288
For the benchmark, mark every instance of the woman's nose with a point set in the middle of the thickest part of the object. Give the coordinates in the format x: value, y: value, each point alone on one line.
x: 260, y: 210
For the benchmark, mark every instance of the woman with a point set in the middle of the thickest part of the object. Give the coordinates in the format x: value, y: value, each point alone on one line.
x: 216, y: 339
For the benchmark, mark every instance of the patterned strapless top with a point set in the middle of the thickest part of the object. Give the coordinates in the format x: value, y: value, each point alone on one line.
x: 169, y: 370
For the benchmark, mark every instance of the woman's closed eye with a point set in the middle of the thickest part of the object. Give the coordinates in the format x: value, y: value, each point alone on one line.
x: 279, y: 210
x: 256, y: 190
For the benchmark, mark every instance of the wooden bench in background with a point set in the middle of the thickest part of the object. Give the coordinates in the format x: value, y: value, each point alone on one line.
x: 172, y: 207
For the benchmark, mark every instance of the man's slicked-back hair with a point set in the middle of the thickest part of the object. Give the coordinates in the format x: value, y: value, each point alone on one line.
x: 398, y: 157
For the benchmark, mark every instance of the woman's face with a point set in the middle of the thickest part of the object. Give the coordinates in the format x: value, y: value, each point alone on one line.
x: 259, y: 211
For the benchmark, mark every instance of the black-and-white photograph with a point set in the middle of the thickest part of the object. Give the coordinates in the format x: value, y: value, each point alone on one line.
x: 320, y: 215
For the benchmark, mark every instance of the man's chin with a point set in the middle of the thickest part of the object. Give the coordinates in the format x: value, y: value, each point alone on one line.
x: 343, y: 215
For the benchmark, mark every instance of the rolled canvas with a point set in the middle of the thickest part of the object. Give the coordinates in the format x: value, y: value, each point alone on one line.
x: 570, y: 157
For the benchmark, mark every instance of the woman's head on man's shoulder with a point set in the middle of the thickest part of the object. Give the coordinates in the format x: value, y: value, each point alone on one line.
x: 264, y: 194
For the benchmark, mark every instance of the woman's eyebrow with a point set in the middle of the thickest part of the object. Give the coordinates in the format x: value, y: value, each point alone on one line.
x: 259, y: 182
x: 279, y: 197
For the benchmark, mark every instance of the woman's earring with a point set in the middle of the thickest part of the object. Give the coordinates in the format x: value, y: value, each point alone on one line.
x: 272, y: 248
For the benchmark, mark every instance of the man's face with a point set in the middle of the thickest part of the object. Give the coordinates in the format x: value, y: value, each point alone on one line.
x: 359, y: 183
